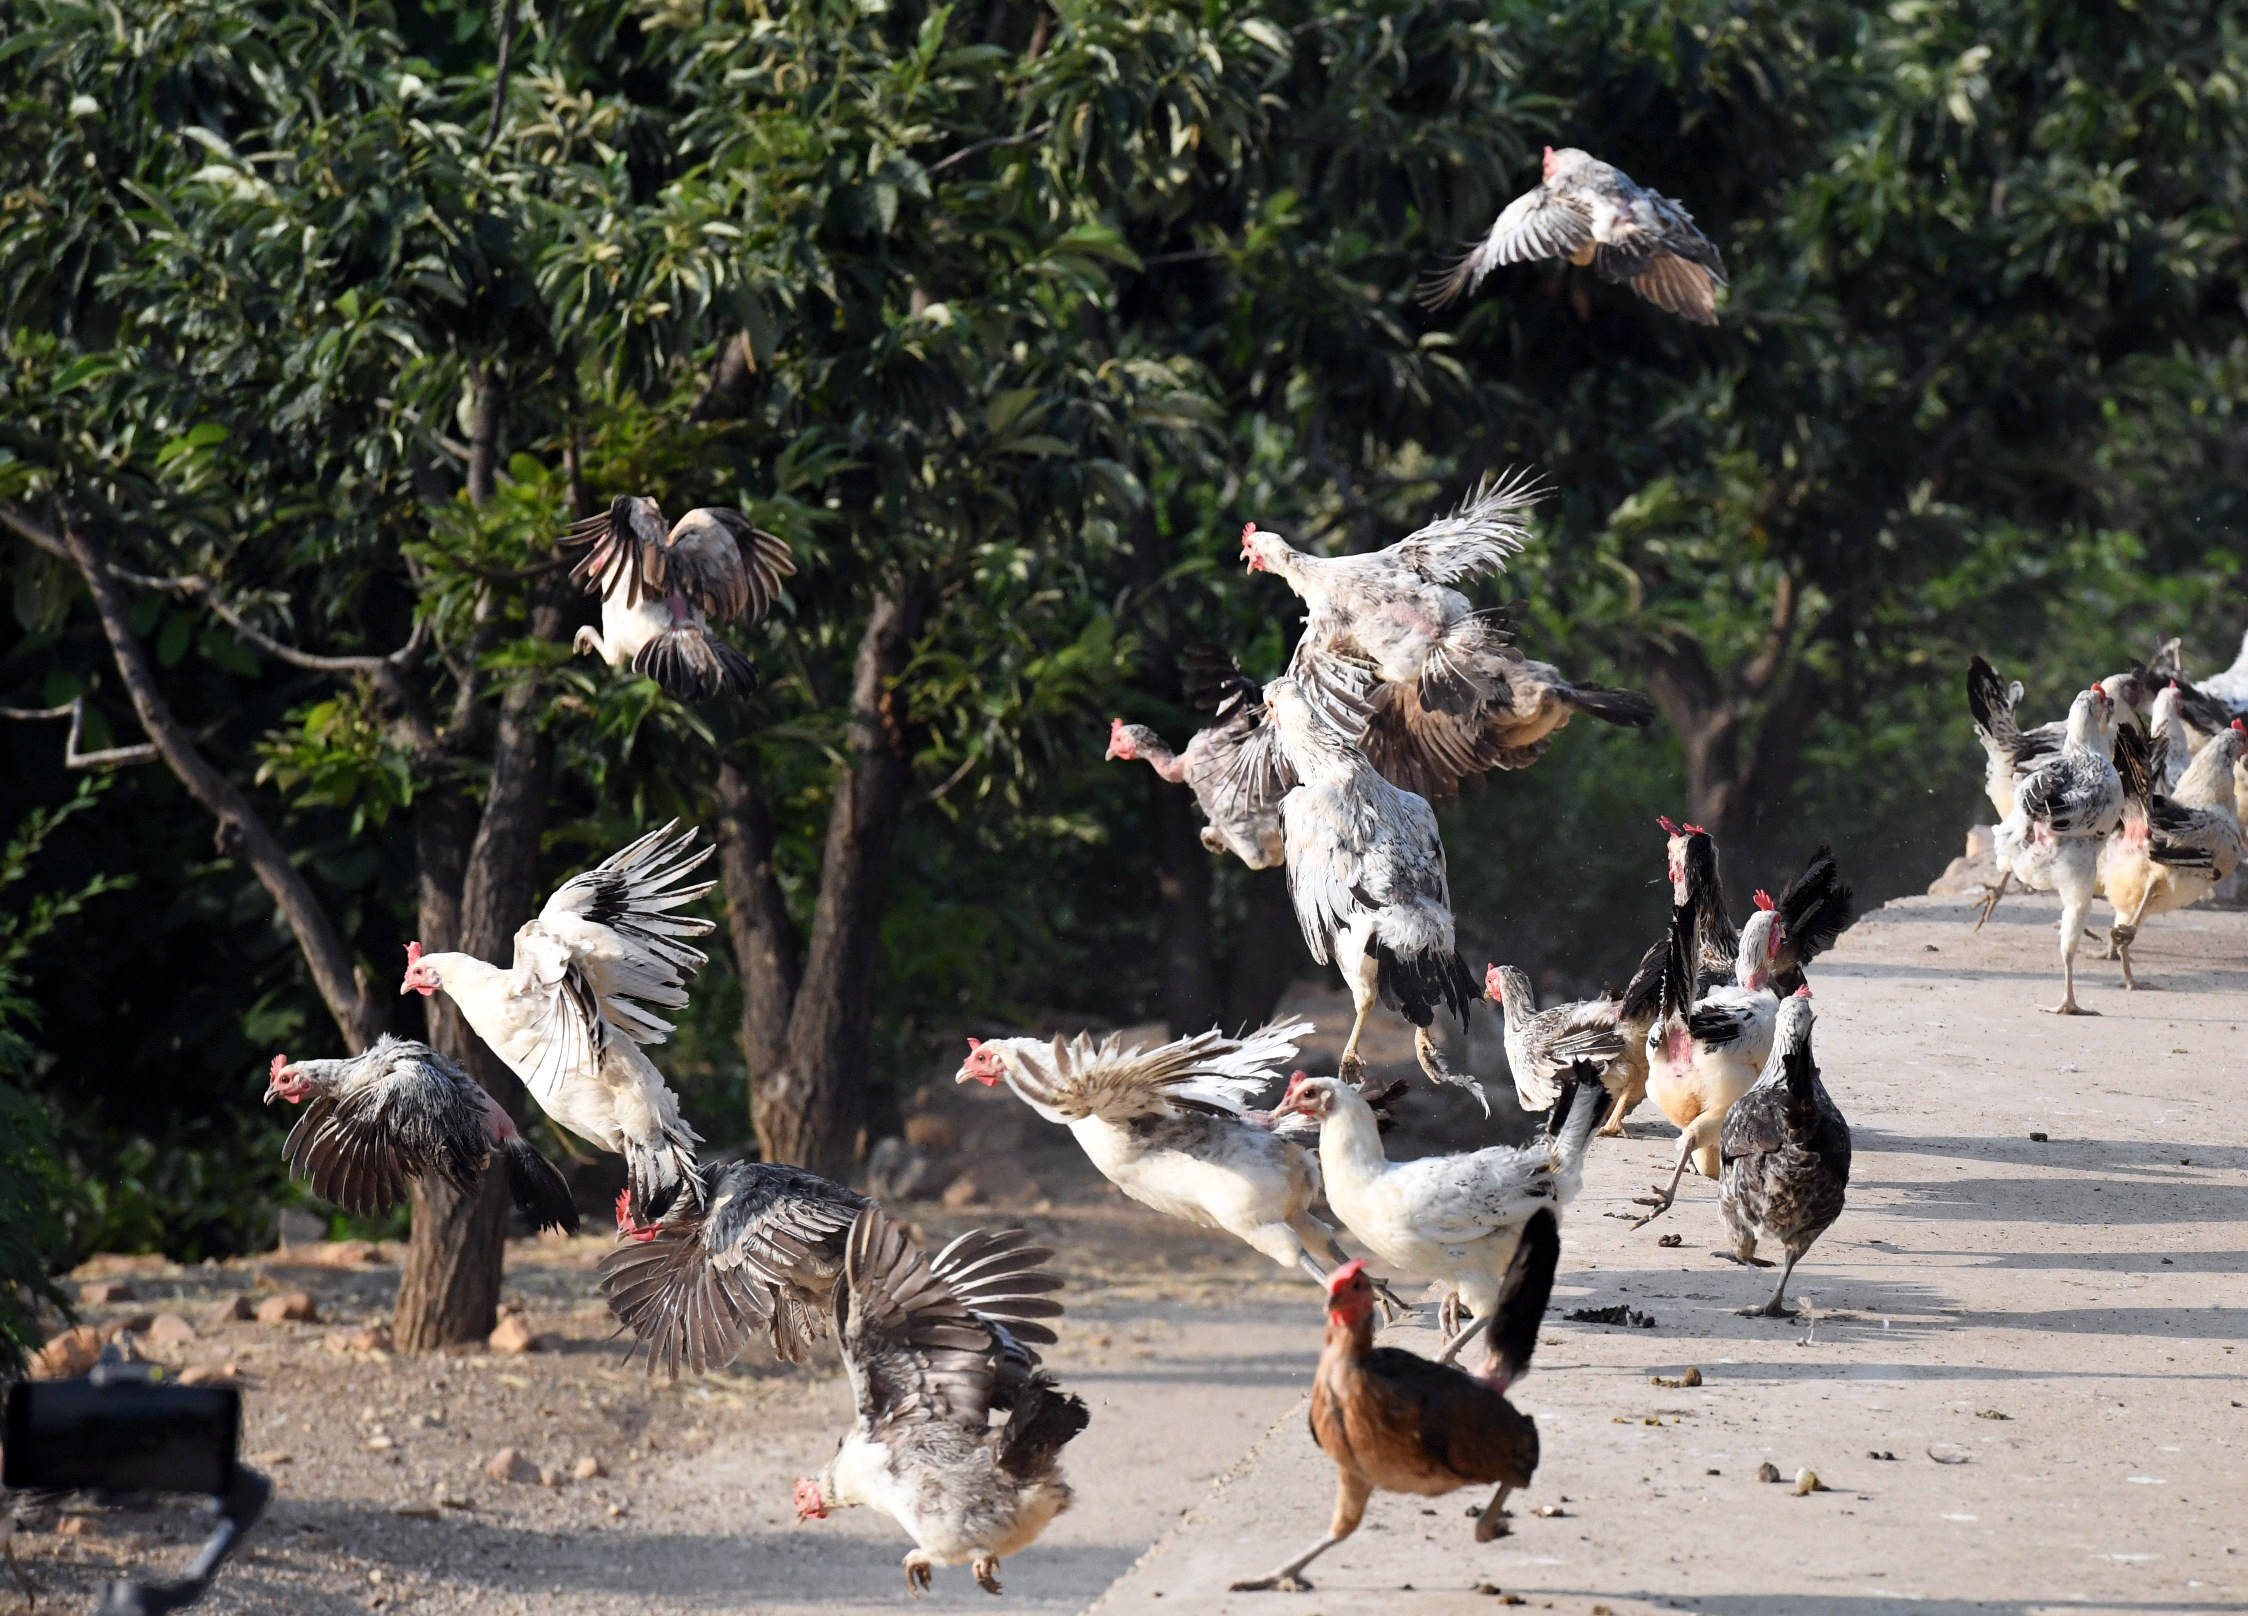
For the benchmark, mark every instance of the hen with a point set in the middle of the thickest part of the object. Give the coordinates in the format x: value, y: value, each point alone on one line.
x: 1169, y: 1127
x: 1240, y: 802
x: 1366, y: 871
x: 1542, y: 1045
x: 1394, y: 1422
x: 2231, y: 686
x: 569, y: 1016
x: 399, y: 1112
x: 934, y: 1347
x: 2171, y: 849
x: 1456, y: 1218
x: 765, y: 1252
x: 660, y: 591
x: 2063, y: 812
x: 1786, y: 1155
x: 1591, y: 212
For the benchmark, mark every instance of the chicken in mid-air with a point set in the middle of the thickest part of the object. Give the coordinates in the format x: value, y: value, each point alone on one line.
x: 1366, y: 871
x: 570, y: 1014
x: 1591, y: 212
x: 2064, y: 812
x: 764, y: 1253
x: 934, y: 1346
x: 1240, y: 803
x: 1785, y: 1155
x: 662, y: 591
x: 1394, y: 1422
x: 401, y: 1111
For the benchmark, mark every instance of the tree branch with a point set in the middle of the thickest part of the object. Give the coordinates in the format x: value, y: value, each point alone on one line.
x: 356, y: 1012
x: 992, y: 144
x: 507, y: 20
x: 109, y: 758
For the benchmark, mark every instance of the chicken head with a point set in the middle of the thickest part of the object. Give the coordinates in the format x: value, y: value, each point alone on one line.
x: 1350, y: 1293
x: 982, y: 1064
x: 1119, y: 741
x: 285, y: 1082
x: 810, y: 1504
x: 420, y: 978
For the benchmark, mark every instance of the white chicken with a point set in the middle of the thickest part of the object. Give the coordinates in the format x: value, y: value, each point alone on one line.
x: 2172, y: 848
x: 1542, y: 1045
x: 1169, y: 1127
x: 1703, y: 1054
x: 2231, y: 686
x: 934, y: 1349
x: 1366, y: 871
x: 2064, y: 811
x: 400, y: 1111
x: 659, y: 592
x: 571, y: 1013
x: 1456, y: 1218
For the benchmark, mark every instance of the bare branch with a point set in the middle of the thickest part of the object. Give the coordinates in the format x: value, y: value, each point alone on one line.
x: 114, y: 757
x: 993, y: 144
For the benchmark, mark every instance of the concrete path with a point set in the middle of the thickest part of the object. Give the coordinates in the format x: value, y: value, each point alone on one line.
x: 2035, y: 1303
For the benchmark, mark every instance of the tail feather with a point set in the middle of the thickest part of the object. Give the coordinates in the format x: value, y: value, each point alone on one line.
x: 694, y: 665
x: 1523, y: 1296
x: 1627, y: 708
x: 538, y: 1188
x: 1992, y: 701
x: 1815, y: 907
x: 1419, y: 985
x: 2134, y: 764
x: 1045, y: 1420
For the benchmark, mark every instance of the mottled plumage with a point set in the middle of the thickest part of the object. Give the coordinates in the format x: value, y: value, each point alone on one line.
x: 2231, y: 686
x: 1542, y: 1045
x: 1591, y: 212
x: 1228, y: 766
x: 1786, y: 1154
x: 2171, y: 848
x: 2063, y: 812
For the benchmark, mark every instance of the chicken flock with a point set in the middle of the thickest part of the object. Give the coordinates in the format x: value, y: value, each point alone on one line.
x: 1400, y: 692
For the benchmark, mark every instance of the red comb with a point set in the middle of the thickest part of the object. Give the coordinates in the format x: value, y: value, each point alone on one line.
x: 1764, y: 899
x: 274, y: 1070
x: 1248, y: 528
x: 413, y: 955
x: 1669, y: 829
x: 2173, y: 684
x: 1345, y: 1274
x: 1297, y: 1080
x: 975, y: 1043
x: 1803, y: 992
x: 1696, y: 830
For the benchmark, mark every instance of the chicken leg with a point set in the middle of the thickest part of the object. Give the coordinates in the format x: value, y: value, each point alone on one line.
x: 1490, y: 1520
x: 1777, y: 1307
x: 1351, y: 1493
x: 1693, y: 1138
x: 2073, y: 907
x: 986, y: 1568
x: 1458, y: 1340
x: 1393, y: 1305
x: 1432, y: 1062
x: 1352, y: 1067
x: 1992, y: 892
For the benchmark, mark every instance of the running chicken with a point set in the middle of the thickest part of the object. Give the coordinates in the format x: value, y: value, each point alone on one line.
x: 934, y: 1349
x: 2171, y: 850
x: 1456, y: 1218
x: 765, y: 1253
x: 401, y: 1112
x: 1786, y: 1155
x: 1366, y: 871
x: 1591, y: 212
x: 1394, y: 1422
x: 2063, y: 814
x: 1542, y: 1045
x: 570, y: 1015
x: 660, y: 592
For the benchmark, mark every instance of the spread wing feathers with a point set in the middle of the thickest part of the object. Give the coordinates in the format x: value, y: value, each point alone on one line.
x: 692, y: 664
x: 1480, y: 536
x: 1462, y: 674
x: 355, y: 1157
x: 2200, y: 709
x: 914, y: 1349
x: 722, y: 562
x: 683, y: 1309
x: 1815, y: 907
x: 2135, y: 766
x: 1524, y: 1295
x: 538, y: 1188
x: 621, y: 538
x: 1676, y: 284
x: 616, y: 923
x: 1207, y: 1072
x: 1215, y: 683
x: 1433, y: 754
x: 1538, y: 224
x: 1000, y: 1276
x: 1589, y: 1034
x: 1643, y: 994
x: 1992, y: 702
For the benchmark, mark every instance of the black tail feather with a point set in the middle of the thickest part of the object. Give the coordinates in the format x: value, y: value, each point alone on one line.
x: 1418, y: 987
x: 2134, y: 763
x: 538, y: 1187
x: 1628, y: 708
x: 1524, y: 1294
x: 694, y: 665
x: 1992, y: 700
x: 1815, y: 907
x: 1045, y: 1420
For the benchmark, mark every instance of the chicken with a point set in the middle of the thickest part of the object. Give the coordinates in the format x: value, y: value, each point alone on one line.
x: 1457, y: 1217
x: 1590, y: 212
x: 1366, y: 871
x: 1785, y: 1154
x: 766, y: 1251
x: 571, y: 1013
x: 1703, y: 1054
x: 660, y: 592
x: 934, y: 1349
x: 2171, y: 849
x: 1542, y: 1045
x: 2231, y: 686
x: 1240, y: 802
x: 1394, y: 1422
x: 1168, y: 1127
x: 2173, y: 742
x: 2063, y: 812
x: 400, y: 1112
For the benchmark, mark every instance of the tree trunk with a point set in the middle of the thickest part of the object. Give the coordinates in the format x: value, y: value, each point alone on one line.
x: 768, y: 953
x: 1182, y: 888
x: 809, y: 1106
x: 1268, y: 952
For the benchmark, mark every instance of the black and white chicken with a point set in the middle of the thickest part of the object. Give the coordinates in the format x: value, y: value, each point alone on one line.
x: 2064, y: 812
x: 1785, y: 1155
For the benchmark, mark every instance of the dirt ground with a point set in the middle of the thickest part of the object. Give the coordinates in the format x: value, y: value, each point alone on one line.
x: 2042, y: 1332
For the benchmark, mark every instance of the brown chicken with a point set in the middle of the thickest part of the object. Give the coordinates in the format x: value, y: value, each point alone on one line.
x: 1395, y: 1422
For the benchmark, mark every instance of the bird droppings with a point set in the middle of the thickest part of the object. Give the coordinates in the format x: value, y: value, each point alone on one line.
x: 1629, y: 1317
x: 1880, y: 1453
x: 1672, y: 1240
x: 1767, y: 1471
x: 1692, y: 1377
x: 1991, y: 1414
x: 2036, y: 1138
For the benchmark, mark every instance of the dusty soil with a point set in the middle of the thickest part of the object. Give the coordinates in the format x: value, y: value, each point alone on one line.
x: 2088, y: 1288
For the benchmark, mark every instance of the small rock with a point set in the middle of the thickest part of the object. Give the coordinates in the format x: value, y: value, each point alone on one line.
x: 551, y: 1476
x: 1672, y: 1241
x: 1767, y: 1471
x: 1550, y: 1512
x: 2036, y: 1138
x: 104, y: 1292
x: 131, y: 1324
x: 374, y: 1338
x: 272, y: 1457
x: 1807, y: 1481
x: 381, y: 1442
x: 513, y: 1335
x: 417, y: 1512
x: 78, y: 1526
x: 588, y: 1468
x: 169, y: 1330
x: 961, y: 1193
x: 1948, y: 1453
x: 509, y: 1465
x: 618, y: 1512
x: 289, y: 1307
x: 68, y: 1355
x: 1991, y: 1414
x: 228, y: 1311
x: 204, y: 1374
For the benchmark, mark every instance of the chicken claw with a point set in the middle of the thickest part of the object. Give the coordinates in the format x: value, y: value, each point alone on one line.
x: 918, y: 1573
x: 1352, y: 1068
x: 986, y: 1568
x: 1288, y: 1584
x: 1661, y: 1202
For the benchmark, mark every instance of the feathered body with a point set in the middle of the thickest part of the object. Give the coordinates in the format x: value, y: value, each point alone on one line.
x: 1457, y: 1217
x: 1591, y: 212
x: 1543, y: 1045
x: 2231, y: 686
x: 400, y: 1112
x: 570, y: 1014
x: 2171, y: 848
x: 1240, y: 809
x: 935, y: 1348
x: 1169, y: 1126
x: 1786, y: 1153
x: 2064, y: 811
x: 764, y: 1253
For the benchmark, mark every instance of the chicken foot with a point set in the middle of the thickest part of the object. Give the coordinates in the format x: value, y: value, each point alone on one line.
x: 1688, y: 1141
x: 1777, y: 1307
x: 1352, y: 1067
x: 1490, y: 1520
x: 1992, y: 892
x: 2072, y: 924
x: 920, y: 1571
x: 1351, y: 1493
x: 986, y: 1568
x: 1432, y: 1062
x: 1458, y: 1340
